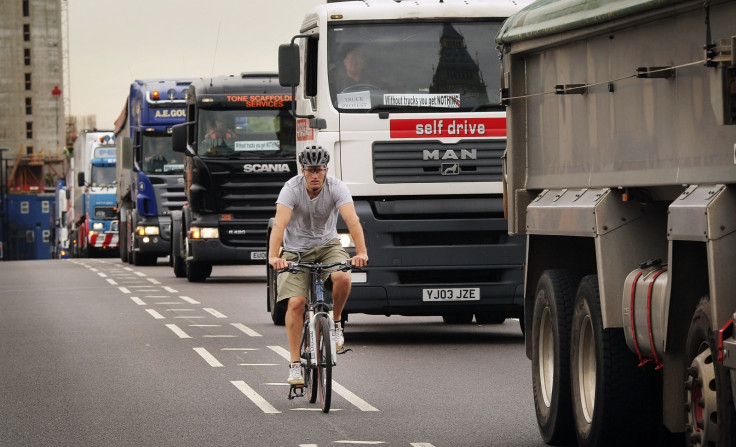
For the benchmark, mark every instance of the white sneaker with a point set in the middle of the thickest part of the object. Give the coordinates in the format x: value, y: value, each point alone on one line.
x: 339, y: 337
x: 295, y: 374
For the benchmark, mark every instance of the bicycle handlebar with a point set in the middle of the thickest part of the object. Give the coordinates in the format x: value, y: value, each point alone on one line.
x: 298, y: 267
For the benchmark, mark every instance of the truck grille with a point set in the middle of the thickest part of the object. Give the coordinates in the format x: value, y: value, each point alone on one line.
x: 434, y: 162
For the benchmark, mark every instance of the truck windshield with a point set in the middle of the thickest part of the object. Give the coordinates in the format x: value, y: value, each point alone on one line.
x: 252, y: 133
x: 103, y: 175
x: 158, y: 156
x: 451, y: 66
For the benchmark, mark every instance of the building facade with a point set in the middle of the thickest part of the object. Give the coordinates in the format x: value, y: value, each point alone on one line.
x: 31, y: 80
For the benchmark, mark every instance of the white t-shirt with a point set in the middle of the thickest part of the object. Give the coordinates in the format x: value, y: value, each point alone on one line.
x: 313, y: 221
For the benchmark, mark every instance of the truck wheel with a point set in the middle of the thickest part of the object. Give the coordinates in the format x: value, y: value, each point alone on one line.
x: 198, y: 271
x: 123, y: 242
x: 614, y: 400
x: 550, y: 339
x: 278, y: 313
x: 177, y: 260
x: 179, y: 265
x: 709, y: 406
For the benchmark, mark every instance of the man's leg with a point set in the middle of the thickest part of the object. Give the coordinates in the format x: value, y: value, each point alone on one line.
x: 341, y: 284
x: 294, y: 324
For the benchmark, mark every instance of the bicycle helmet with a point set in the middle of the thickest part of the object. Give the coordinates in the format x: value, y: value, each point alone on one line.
x: 314, y: 156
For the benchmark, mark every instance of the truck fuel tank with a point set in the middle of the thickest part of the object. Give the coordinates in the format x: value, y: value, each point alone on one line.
x: 644, y: 307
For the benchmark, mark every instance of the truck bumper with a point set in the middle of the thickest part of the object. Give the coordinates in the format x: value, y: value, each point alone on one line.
x: 430, y: 266
x: 214, y: 252
x: 152, y: 245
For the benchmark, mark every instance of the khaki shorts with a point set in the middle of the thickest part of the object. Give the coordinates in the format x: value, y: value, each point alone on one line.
x: 297, y: 284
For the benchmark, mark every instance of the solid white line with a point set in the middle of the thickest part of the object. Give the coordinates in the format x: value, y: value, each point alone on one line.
x: 213, y: 312
x: 137, y: 300
x: 246, y: 329
x: 102, y: 274
x: 169, y: 289
x: 112, y: 281
x: 137, y: 273
x: 178, y: 331
x: 155, y: 314
x: 336, y: 387
x: 209, y: 358
x: 124, y: 289
x: 154, y: 281
x: 254, y: 397
x: 189, y: 300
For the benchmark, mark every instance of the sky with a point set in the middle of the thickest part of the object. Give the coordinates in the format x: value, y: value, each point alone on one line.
x: 114, y: 42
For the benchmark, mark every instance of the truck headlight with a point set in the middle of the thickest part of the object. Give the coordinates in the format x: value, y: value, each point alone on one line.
x: 346, y: 240
x: 147, y: 230
x: 98, y: 226
x: 204, y: 233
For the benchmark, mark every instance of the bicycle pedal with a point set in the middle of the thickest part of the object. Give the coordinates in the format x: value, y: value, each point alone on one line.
x: 296, y: 391
x: 343, y: 351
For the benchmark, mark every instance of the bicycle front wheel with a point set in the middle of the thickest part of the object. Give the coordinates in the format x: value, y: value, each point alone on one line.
x: 324, y: 363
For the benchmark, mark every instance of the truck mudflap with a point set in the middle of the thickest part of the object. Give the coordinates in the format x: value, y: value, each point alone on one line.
x: 104, y: 240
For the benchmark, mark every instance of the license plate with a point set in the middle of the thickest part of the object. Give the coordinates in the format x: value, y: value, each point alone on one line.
x: 258, y: 255
x: 451, y: 294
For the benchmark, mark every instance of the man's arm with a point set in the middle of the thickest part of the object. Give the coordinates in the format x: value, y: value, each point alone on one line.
x: 347, y: 211
x: 283, y: 216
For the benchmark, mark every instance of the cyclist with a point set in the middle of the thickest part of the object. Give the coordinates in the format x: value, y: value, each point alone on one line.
x: 306, y: 219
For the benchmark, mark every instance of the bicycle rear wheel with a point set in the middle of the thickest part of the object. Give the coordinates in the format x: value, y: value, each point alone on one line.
x: 324, y: 363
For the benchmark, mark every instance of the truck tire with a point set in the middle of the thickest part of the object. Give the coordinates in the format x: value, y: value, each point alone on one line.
x: 614, y: 400
x: 123, y: 240
x: 278, y: 313
x: 198, y: 271
x: 709, y: 406
x: 178, y: 262
x: 550, y: 340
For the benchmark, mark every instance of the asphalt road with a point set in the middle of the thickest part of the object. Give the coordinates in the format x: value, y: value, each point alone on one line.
x: 94, y: 352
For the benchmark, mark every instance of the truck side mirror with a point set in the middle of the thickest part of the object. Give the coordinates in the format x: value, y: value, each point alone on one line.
x: 80, y: 179
x: 127, y: 153
x: 179, y: 137
x: 289, y: 65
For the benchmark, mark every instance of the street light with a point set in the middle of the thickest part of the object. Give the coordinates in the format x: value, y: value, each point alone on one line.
x: 3, y: 200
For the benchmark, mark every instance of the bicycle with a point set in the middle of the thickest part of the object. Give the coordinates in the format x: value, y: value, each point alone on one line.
x: 317, y: 345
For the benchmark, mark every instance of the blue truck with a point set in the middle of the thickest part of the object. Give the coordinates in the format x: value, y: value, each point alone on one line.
x: 94, y: 224
x: 149, y: 173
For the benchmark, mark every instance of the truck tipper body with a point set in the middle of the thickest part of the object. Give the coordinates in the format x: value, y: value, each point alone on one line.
x: 95, y: 223
x: 621, y: 173
x: 239, y: 142
x: 418, y: 139
x: 150, y: 174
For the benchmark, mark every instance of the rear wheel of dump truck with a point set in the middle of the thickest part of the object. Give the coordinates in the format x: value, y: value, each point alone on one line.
x: 614, y: 400
x: 550, y: 340
x: 709, y: 406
